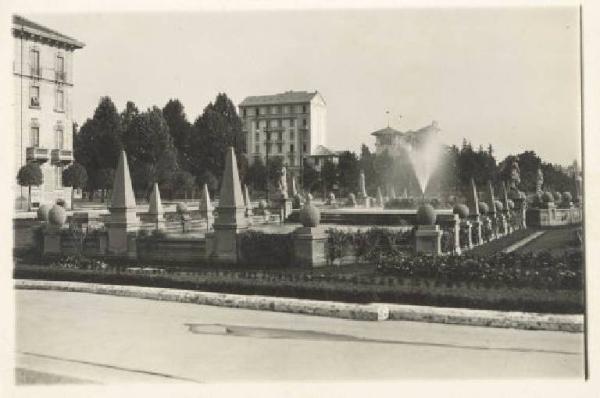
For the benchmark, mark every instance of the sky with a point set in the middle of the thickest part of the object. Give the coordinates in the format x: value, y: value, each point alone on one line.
x: 509, y: 77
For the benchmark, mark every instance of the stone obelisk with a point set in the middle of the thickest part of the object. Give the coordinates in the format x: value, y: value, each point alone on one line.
x: 123, y: 221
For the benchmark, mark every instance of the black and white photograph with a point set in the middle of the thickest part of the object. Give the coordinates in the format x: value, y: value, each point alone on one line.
x: 297, y: 194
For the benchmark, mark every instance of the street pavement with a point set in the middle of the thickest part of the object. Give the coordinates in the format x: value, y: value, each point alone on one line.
x: 81, y: 337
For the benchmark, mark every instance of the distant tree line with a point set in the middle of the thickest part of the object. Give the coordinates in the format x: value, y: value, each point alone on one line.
x: 163, y: 146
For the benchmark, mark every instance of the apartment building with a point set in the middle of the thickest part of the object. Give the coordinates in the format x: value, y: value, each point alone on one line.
x: 43, y: 81
x: 290, y: 125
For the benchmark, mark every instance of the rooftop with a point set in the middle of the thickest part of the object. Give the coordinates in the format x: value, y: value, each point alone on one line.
x: 321, y: 150
x: 289, y: 97
x: 432, y: 128
x: 24, y: 24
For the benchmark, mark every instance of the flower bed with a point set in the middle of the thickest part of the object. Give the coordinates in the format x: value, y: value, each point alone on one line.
x: 368, y: 245
x: 540, y: 270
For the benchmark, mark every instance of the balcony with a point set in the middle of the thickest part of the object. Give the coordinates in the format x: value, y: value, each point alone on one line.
x: 36, y: 154
x: 61, y: 76
x: 61, y: 156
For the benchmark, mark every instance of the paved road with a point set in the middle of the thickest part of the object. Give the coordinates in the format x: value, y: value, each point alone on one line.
x: 82, y: 337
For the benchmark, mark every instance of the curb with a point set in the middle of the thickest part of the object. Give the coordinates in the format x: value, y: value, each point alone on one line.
x: 497, y: 319
x: 364, y: 312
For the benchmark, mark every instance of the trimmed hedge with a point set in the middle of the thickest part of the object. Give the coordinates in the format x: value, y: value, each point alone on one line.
x: 389, y: 290
x: 270, y: 250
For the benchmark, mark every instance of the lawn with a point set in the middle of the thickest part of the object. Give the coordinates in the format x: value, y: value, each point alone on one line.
x: 556, y: 241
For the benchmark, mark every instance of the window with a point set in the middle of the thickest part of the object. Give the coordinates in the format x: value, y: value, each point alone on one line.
x: 268, y: 148
x: 291, y: 147
x: 279, y: 148
x: 58, y: 177
x: 268, y: 136
x: 273, y: 123
x: 293, y: 122
x: 304, y: 122
x: 34, y: 96
x: 257, y: 148
x: 274, y: 110
x: 60, y: 100
x: 35, y: 62
x: 244, y: 112
x: 292, y: 135
x: 262, y: 124
x: 292, y: 160
x: 257, y: 137
x: 304, y: 147
x: 286, y: 109
x: 280, y: 136
x: 60, y: 137
x: 35, y: 135
x: 60, y: 67
x: 263, y: 110
x: 303, y: 108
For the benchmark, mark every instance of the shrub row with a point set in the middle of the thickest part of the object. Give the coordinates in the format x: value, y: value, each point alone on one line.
x: 415, y: 292
x: 368, y: 245
x: 540, y: 270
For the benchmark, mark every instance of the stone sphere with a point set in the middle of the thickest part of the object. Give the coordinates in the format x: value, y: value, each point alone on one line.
x: 181, y: 208
x: 499, y: 205
x: 547, y: 197
x: 462, y: 210
x: 558, y: 197
x: 57, y: 215
x: 511, y: 204
x: 352, y: 197
x: 522, y: 195
x: 262, y: 204
x: 42, y: 213
x: 483, y: 208
x: 309, y: 197
x: 331, y: 196
x: 310, y: 216
x: 426, y: 215
x: 567, y: 197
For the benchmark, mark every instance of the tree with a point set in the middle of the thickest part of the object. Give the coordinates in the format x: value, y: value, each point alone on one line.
x: 184, y: 181
x: 274, y: 168
x: 211, y: 182
x: 367, y: 164
x: 180, y: 129
x: 349, y: 172
x: 75, y: 176
x: 104, y: 180
x: 218, y: 128
x: 257, y: 175
x: 30, y: 175
x: 310, y: 177
x: 329, y: 175
x: 129, y: 113
x: 150, y: 151
x: 98, y: 144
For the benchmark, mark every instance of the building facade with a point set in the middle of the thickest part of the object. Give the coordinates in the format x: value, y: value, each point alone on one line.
x: 397, y: 142
x: 290, y: 125
x: 43, y: 81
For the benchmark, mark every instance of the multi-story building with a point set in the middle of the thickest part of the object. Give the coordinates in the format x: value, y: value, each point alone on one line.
x: 396, y: 142
x: 43, y: 79
x: 290, y: 125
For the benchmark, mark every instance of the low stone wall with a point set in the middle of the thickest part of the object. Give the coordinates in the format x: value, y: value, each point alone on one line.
x: 553, y: 217
x: 171, y: 249
x: 365, y: 312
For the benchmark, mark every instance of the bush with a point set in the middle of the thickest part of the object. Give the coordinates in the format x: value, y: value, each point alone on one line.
x: 426, y: 215
x: 401, y: 203
x: 541, y: 271
x: 370, y: 245
x: 271, y: 250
